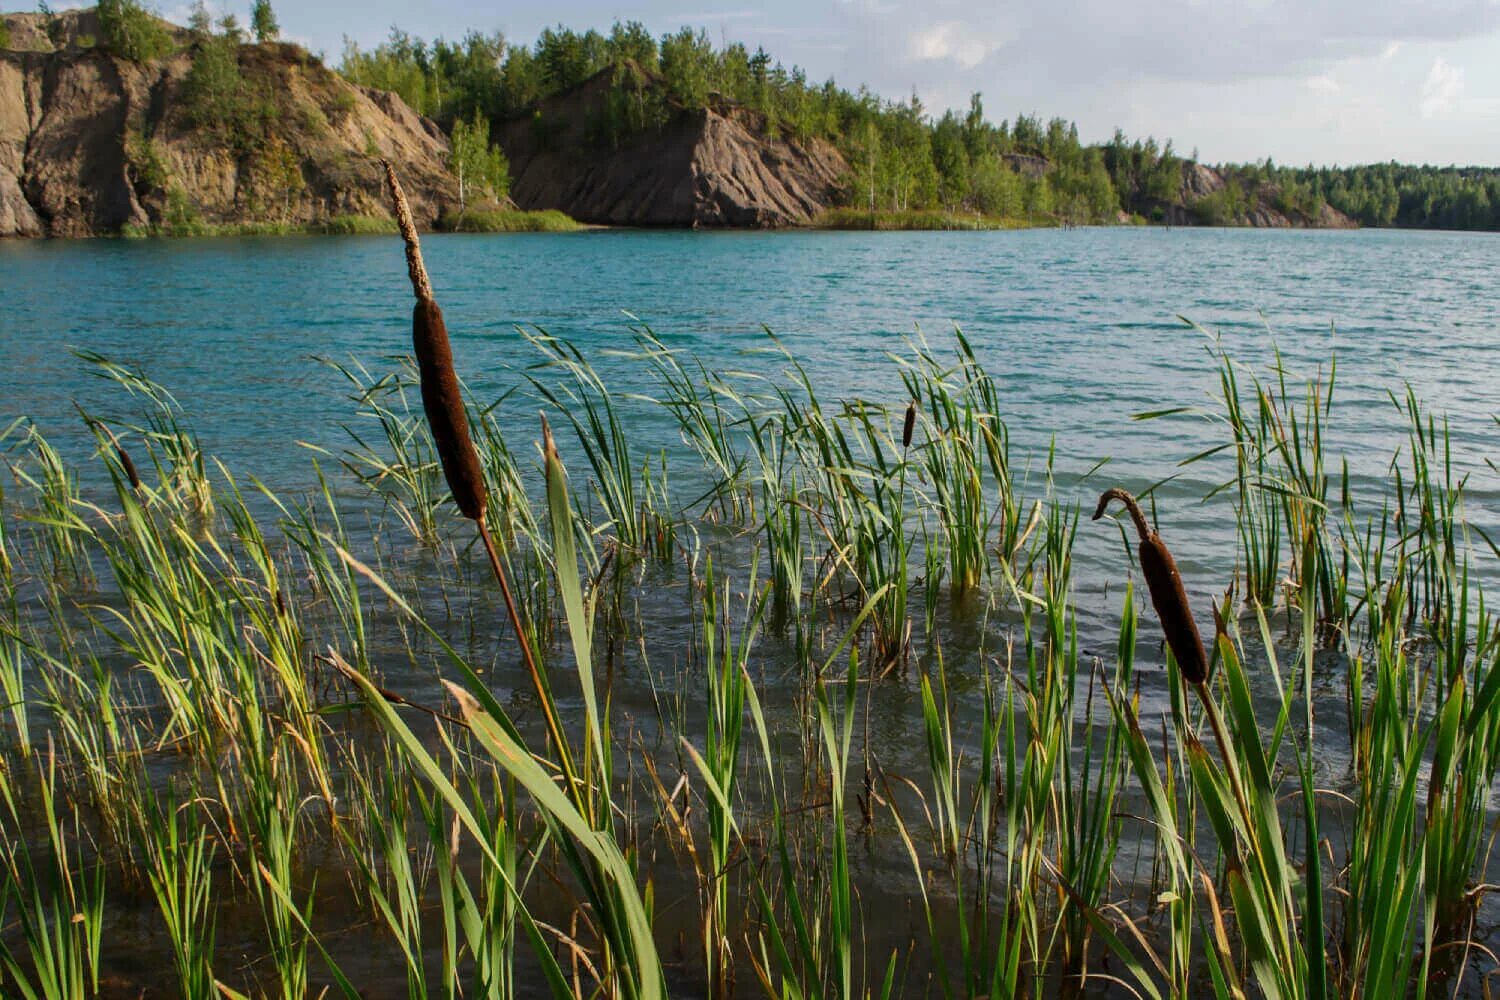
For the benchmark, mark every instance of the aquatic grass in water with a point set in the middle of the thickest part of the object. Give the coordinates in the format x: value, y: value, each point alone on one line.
x: 1280, y: 482
x: 57, y: 899
x: 401, y: 464
x: 724, y: 659
x: 268, y: 719
x: 960, y: 404
x: 180, y: 854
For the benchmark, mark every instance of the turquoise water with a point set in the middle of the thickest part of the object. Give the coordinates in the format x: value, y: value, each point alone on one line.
x: 1081, y: 328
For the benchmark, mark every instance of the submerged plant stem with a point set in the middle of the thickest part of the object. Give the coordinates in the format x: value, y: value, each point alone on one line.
x: 554, y: 727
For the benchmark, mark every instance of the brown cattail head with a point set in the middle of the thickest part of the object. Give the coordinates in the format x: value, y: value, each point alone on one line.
x: 129, y: 467
x: 443, y: 401
x: 1168, y: 596
x: 442, y: 398
x: 910, y: 424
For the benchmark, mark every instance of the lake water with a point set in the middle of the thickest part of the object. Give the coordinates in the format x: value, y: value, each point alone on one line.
x: 1082, y: 328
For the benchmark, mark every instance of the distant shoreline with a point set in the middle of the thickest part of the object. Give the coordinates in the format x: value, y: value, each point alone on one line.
x: 551, y: 221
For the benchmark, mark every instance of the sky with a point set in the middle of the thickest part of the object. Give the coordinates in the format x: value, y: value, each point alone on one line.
x: 1300, y: 81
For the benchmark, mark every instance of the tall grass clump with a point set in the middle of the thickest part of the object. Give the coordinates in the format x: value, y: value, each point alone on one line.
x: 508, y: 221
x: 53, y: 892
x: 180, y: 854
x: 726, y: 688
x: 966, y: 437
x: 1282, y: 485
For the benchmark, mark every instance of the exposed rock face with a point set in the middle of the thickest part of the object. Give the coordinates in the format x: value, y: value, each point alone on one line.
x: 17, y: 217
x: 1199, y: 181
x: 1027, y: 165
x: 90, y: 143
x: 713, y: 166
x: 1262, y: 206
x: 1331, y: 218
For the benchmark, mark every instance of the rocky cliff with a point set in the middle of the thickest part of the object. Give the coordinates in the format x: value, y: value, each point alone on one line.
x: 218, y: 134
x: 1207, y: 197
x: 91, y: 143
x: 698, y: 167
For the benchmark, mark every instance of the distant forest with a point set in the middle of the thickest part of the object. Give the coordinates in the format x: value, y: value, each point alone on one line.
x: 901, y: 156
x: 1391, y: 194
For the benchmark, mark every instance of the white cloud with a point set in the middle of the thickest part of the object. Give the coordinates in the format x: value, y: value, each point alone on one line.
x: 1056, y: 41
x: 1443, y: 86
x: 951, y: 41
x: 1240, y: 79
x: 1347, y: 75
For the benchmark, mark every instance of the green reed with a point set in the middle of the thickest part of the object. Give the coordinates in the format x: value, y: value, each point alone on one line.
x: 1429, y: 521
x: 783, y: 523
x: 260, y: 656
x: 54, y: 892
x: 724, y: 665
x: 580, y: 813
x: 701, y: 405
x: 401, y: 464
x: 966, y: 436
x: 582, y: 399
x: 1382, y: 917
x: 964, y: 823
x: 181, y: 464
x: 861, y: 503
x: 179, y: 859
x: 1465, y: 755
x: 13, y: 653
x: 1281, y: 482
x: 59, y: 527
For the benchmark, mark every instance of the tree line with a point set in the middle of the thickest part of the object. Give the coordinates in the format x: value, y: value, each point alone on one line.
x: 1394, y: 194
x: 901, y: 158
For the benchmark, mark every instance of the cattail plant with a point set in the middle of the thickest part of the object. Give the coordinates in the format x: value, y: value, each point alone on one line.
x: 583, y: 809
x: 442, y: 399
x: 1168, y: 596
x: 128, y: 465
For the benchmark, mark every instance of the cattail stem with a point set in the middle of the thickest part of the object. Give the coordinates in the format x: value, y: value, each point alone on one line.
x: 414, y: 266
x: 1221, y: 737
x: 1142, y: 526
x: 554, y: 726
